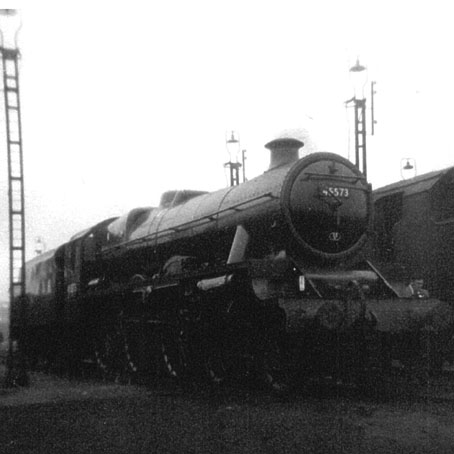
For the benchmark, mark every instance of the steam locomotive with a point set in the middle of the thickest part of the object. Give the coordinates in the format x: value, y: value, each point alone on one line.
x: 266, y: 279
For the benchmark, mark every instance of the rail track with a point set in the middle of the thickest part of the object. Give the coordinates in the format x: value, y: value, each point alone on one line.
x: 398, y: 384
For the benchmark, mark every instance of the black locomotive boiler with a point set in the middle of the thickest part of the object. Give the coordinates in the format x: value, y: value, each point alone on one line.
x: 259, y: 279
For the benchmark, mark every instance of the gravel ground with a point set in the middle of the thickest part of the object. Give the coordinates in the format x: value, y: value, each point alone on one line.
x: 56, y: 415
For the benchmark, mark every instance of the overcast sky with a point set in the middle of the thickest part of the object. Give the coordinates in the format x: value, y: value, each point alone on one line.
x: 122, y: 102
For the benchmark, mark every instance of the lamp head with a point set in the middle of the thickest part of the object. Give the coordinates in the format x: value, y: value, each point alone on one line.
x: 10, y: 25
x: 357, y: 68
x: 233, y: 145
x: 358, y: 75
x: 408, y: 170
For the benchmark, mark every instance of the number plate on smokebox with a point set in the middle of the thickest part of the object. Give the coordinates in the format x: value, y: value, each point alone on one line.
x: 335, y: 191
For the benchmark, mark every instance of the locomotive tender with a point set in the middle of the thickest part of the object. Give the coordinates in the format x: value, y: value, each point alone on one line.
x: 265, y: 277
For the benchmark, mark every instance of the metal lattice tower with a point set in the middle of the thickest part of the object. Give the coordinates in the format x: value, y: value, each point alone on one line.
x: 360, y: 135
x: 16, y: 364
x: 15, y: 172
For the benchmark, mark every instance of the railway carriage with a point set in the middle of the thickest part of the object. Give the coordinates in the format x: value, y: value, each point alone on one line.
x: 414, y: 225
x: 414, y: 234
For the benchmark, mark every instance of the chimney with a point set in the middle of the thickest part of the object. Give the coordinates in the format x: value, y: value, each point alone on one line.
x: 284, y: 150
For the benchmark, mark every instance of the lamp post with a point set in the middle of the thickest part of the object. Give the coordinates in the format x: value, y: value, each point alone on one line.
x: 233, y: 148
x: 10, y: 24
x: 359, y: 78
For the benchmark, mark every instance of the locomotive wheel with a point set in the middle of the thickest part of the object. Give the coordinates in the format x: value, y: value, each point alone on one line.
x: 262, y: 363
x: 138, y: 352
x: 174, y: 351
x: 228, y: 353
x: 112, y: 353
x: 216, y: 367
x: 218, y: 362
x: 106, y: 352
x: 272, y: 367
x: 179, y: 345
x: 232, y: 358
